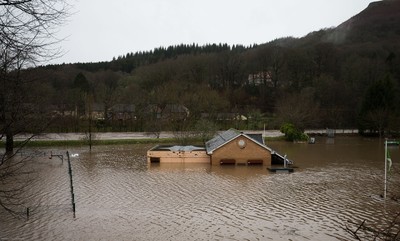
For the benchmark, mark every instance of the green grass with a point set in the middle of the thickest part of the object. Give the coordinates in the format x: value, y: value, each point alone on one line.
x: 40, y: 143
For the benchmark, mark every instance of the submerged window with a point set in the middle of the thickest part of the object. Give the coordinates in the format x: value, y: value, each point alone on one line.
x: 227, y: 162
x: 154, y: 160
x: 255, y: 162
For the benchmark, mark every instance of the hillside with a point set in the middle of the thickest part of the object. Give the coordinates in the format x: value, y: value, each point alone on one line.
x: 380, y: 21
x: 325, y: 79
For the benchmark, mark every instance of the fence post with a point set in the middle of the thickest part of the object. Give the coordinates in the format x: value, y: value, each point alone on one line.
x: 71, y: 183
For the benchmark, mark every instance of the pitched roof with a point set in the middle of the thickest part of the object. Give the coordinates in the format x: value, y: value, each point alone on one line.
x: 222, y: 138
x: 257, y: 137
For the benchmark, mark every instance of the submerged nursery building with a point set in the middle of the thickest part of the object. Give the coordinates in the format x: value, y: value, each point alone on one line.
x: 231, y: 147
x: 237, y: 148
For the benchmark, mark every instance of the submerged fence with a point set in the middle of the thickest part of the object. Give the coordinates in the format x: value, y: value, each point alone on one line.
x: 35, y: 209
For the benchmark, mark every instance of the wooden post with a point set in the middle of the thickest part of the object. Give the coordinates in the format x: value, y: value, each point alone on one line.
x: 59, y: 156
x: 71, y: 183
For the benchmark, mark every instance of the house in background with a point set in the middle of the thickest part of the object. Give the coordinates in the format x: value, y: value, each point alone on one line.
x: 236, y: 148
x: 122, y: 112
x: 152, y: 111
x: 260, y: 78
x: 167, y: 112
x: 97, y: 111
x: 175, y: 112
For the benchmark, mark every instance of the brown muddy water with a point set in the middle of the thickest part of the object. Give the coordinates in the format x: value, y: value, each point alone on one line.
x: 121, y: 197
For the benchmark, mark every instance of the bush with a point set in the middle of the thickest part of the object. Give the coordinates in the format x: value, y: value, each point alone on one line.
x: 292, y: 133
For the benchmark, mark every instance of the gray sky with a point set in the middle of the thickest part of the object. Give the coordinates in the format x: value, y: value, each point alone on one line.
x: 103, y: 29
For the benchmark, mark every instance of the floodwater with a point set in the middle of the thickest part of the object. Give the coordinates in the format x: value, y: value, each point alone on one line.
x: 119, y: 196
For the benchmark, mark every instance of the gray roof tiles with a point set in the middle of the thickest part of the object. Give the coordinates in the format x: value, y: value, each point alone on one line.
x: 224, y: 137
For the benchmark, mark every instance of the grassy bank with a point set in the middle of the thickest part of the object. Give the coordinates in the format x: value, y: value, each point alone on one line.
x: 191, y: 141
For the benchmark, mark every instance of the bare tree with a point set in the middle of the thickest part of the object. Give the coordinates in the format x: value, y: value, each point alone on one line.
x: 363, y: 231
x: 299, y: 109
x: 388, y: 227
x: 27, y: 38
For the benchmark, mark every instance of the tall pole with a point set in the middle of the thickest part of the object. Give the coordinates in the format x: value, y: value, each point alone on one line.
x: 385, y: 182
x: 264, y: 130
x: 71, y: 184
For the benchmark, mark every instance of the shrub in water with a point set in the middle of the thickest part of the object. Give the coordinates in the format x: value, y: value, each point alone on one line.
x: 292, y: 133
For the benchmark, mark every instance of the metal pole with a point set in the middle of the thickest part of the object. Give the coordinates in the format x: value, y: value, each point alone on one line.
x: 385, y: 181
x: 284, y: 161
x: 264, y: 130
x: 71, y: 184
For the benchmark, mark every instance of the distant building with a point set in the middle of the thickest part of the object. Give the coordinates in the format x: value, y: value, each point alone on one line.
x: 168, y: 112
x: 230, y: 117
x: 152, y: 111
x: 175, y: 112
x: 260, y: 78
x: 122, y: 112
x: 97, y: 111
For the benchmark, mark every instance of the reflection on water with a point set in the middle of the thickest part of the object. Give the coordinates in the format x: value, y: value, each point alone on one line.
x: 120, y: 197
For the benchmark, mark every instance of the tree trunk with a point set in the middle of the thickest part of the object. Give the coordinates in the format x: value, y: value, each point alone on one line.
x: 9, y: 141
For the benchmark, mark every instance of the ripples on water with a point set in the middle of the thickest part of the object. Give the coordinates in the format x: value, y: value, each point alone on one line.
x: 120, y: 197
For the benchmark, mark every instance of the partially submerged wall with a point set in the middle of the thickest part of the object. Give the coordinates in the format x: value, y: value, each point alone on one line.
x: 175, y: 154
x: 241, y: 151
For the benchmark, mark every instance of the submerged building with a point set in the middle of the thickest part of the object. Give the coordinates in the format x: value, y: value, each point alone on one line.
x: 177, y: 154
x: 236, y: 148
x: 231, y: 147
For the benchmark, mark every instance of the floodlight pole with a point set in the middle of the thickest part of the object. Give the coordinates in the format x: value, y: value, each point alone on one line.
x: 385, y: 181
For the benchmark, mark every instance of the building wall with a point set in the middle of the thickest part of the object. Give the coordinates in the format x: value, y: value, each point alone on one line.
x: 241, y: 154
x: 179, y: 156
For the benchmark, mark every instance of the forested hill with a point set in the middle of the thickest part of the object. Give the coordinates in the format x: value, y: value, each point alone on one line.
x: 130, y: 61
x: 378, y: 22
x: 341, y: 77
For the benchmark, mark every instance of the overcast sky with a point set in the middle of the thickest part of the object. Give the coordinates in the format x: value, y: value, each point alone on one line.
x: 102, y: 29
